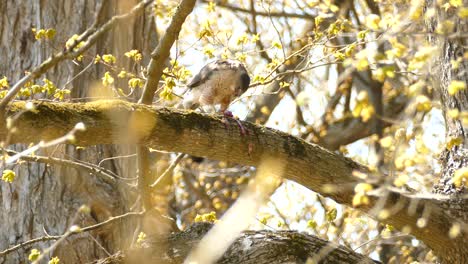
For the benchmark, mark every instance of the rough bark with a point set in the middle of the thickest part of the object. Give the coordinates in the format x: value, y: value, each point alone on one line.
x: 251, y: 247
x: 117, y: 122
x: 452, y: 47
x: 45, y: 196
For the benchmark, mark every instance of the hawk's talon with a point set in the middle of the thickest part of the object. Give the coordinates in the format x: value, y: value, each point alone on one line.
x: 228, y: 114
x: 225, y: 122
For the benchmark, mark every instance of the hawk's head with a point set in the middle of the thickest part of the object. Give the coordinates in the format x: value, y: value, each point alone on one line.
x: 219, y: 82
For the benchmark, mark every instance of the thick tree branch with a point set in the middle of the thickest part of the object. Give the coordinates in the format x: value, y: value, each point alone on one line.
x: 330, y: 174
x: 252, y: 247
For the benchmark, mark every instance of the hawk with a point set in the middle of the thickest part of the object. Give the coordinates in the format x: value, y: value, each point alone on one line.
x: 218, y: 82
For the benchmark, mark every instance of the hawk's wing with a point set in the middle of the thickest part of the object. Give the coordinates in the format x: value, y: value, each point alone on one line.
x: 203, y: 75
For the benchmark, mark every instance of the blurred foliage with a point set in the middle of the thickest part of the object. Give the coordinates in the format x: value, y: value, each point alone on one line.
x: 316, y: 51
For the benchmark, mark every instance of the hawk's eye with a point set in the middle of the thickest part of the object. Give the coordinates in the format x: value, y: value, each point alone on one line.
x: 245, y: 79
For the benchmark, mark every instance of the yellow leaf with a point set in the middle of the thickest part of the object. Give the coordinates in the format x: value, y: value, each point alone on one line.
x: 460, y: 177
x: 362, y: 34
x: 454, y: 141
x: 423, y: 104
x: 318, y: 20
x: 401, y: 180
x: 312, y: 224
x: 421, y: 57
x: 109, y: 58
x: 122, y: 74
x: 363, y: 188
x: 416, y: 9
x: 242, y: 39
x: 50, y: 33
x: 211, y: 6
x: 350, y: 49
x: 54, y: 260
x: 107, y: 79
x: 386, y: 142
x: 97, y: 59
x: 456, y: 86
x: 360, y: 199
x: 134, y: 54
x: 209, y: 51
x: 255, y: 38
x: 34, y: 254
x: 4, y: 82
x: 277, y: 45
x: 456, y: 3
x: 445, y: 27
x: 372, y: 21
x: 463, y: 12
x: 135, y: 82
x: 141, y: 238
x: 241, y: 56
x: 264, y: 110
x: 453, y: 113
x: 284, y: 84
x: 8, y: 176
x: 331, y: 214
x: 210, y: 217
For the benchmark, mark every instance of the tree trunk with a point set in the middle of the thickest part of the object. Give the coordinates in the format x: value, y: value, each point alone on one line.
x: 452, y: 46
x: 46, y: 198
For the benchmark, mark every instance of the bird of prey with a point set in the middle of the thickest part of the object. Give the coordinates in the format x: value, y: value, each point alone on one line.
x: 218, y: 82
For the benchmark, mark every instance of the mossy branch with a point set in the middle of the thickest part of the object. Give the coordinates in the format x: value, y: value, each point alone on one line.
x: 330, y: 174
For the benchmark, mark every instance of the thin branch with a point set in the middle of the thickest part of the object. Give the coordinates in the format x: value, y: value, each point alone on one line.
x: 85, y: 229
x: 27, y: 243
x: 69, y: 136
x: 169, y: 169
x: 265, y: 14
x: 162, y: 51
x: 105, y: 174
x: 155, y: 70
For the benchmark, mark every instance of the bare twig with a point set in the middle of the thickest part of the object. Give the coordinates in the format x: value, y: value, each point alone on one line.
x: 27, y: 243
x: 265, y: 14
x: 85, y: 229
x: 70, y: 136
x: 105, y: 174
x: 169, y: 169
x: 117, y: 157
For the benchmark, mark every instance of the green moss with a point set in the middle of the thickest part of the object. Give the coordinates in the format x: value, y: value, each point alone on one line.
x: 185, y: 120
x: 294, y: 146
x: 16, y: 106
x: 50, y: 113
